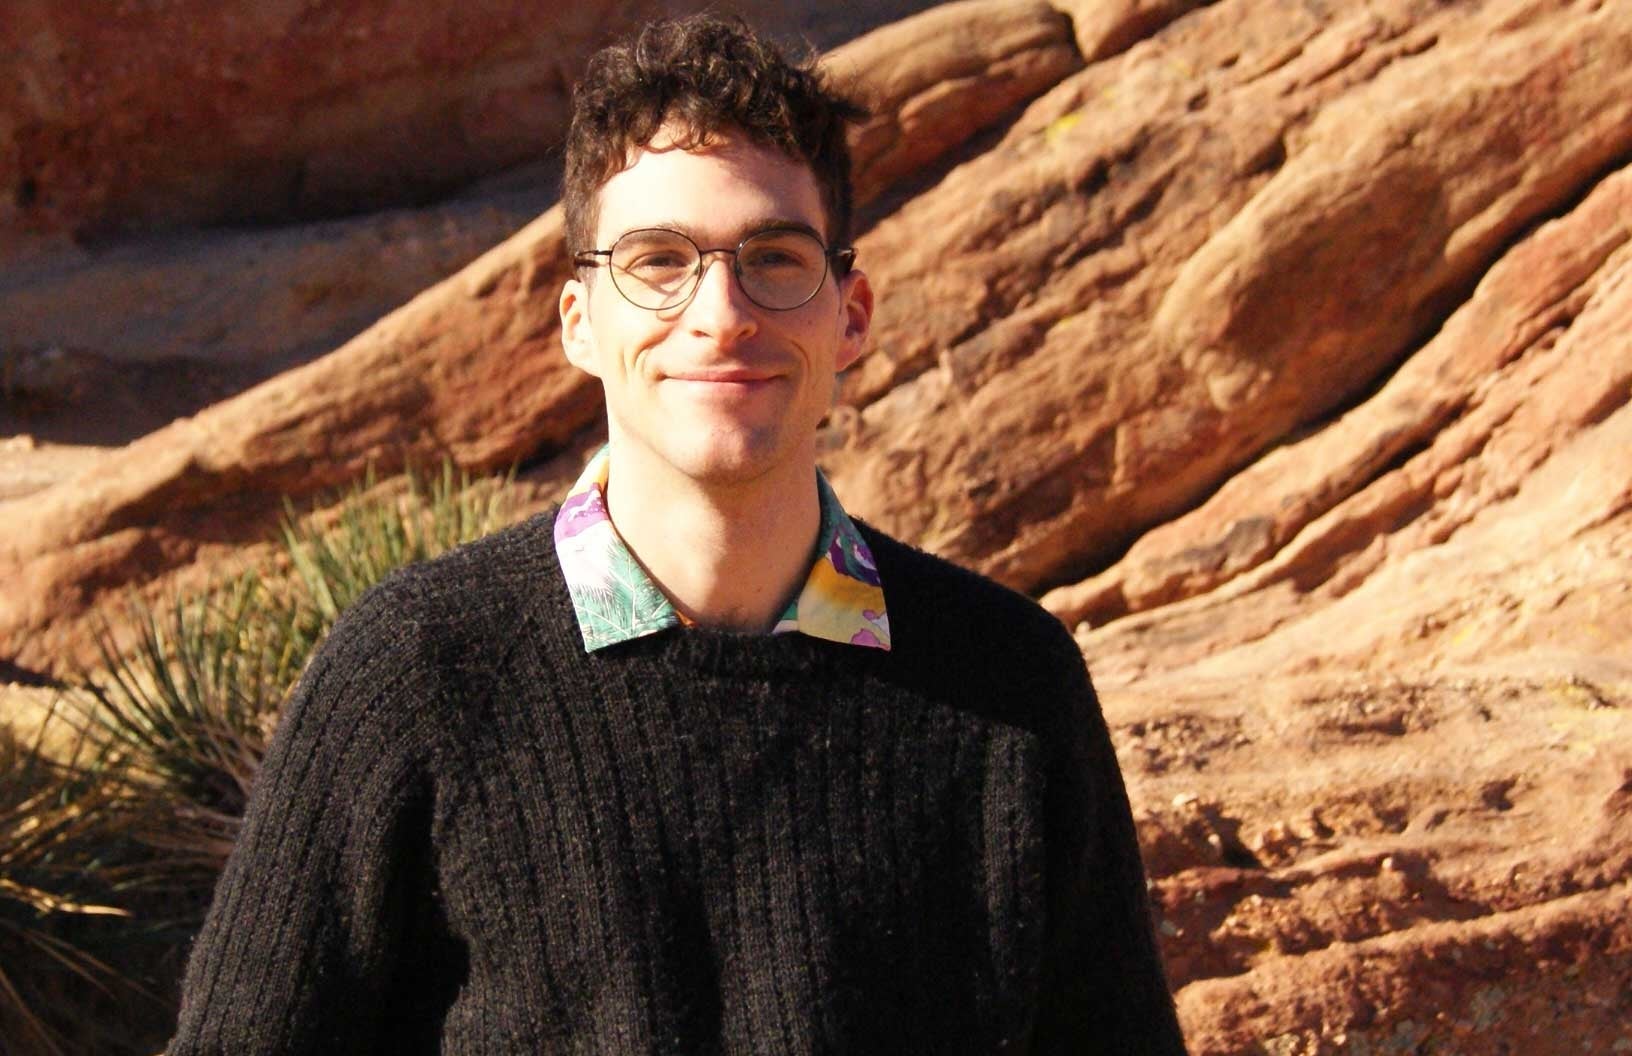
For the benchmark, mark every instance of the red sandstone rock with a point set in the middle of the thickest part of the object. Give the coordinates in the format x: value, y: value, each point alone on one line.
x: 114, y: 118
x: 441, y: 376
x: 163, y: 334
x: 1106, y: 27
x: 1539, y: 287
x: 1402, y: 808
x: 179, y: 323
x: 933, y: 80
x: 1391, y: 807
x: 1092, y: 325
x: 1397, y: 752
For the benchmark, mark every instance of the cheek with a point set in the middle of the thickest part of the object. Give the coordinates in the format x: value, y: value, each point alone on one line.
x: 623, y: 339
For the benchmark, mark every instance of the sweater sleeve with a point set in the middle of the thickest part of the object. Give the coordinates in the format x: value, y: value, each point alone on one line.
x: 1103, y: 987
x: 298, y: 949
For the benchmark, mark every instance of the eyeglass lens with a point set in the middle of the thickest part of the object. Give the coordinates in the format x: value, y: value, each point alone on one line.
x: 779, y: 269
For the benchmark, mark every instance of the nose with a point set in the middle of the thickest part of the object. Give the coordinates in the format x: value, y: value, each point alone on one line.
x: 718, y: 308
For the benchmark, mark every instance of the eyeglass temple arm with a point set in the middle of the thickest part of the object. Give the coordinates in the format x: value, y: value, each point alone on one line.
x: 586, y: 258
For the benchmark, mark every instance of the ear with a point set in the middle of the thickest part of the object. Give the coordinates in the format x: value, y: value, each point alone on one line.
x: 856, y: 315
x: 577, y: 338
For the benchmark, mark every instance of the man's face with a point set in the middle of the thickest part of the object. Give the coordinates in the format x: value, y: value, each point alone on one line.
x: 718, y: 388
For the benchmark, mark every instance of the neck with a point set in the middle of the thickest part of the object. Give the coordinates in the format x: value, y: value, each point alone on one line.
x: 727, y: 556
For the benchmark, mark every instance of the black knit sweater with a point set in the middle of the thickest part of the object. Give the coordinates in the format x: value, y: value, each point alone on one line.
x: 470, y: 836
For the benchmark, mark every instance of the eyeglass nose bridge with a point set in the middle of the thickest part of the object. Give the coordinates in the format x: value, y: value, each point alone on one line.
x: 701, y: 270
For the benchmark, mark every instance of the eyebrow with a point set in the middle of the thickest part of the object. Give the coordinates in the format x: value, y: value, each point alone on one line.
x: 753, y: 227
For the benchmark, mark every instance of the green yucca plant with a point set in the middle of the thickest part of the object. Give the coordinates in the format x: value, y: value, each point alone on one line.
x: 65, y: 867
x: 176, y: 719
x: 372, y: 535
x: 186, y: 712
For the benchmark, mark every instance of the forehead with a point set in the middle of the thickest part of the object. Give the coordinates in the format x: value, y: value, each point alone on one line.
x: 719, y: 191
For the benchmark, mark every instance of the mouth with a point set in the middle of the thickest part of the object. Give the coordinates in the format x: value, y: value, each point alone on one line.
x: 726, y: 383
x: 723, y: 376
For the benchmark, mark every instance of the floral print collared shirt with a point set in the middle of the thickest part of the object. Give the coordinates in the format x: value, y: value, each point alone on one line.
x: 615, y: 600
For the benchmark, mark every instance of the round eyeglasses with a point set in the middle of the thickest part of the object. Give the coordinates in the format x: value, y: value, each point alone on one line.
x: 778, y: 268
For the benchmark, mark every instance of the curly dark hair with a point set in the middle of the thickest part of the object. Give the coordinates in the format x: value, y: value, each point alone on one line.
x: 702, y: 76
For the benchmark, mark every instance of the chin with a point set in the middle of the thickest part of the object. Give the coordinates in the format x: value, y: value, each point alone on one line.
x: 732, y: 458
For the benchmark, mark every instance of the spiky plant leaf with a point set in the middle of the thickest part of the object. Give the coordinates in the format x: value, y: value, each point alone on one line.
x: 66, y: 875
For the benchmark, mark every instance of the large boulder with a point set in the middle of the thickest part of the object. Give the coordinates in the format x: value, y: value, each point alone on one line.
x: 1392, y: 807
x: 1462, y: 398
x: 1183, y: 254
x: 1378, y: 714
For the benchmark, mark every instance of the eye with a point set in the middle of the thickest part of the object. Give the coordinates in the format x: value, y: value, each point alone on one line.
x: 659, y: 261
x: 779, y: 251
x: 654, y: 256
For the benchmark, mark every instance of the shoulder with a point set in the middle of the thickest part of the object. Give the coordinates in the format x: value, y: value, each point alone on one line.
x: 492, y: 568
x: 460, y: 602
x: 972, y: 635
x: 931, y: 598
x: 480, y: 582
x: 422, y: 633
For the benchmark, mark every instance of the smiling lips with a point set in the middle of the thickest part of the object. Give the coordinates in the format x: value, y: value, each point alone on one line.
x: 723, y: 376
x: 728, y: 383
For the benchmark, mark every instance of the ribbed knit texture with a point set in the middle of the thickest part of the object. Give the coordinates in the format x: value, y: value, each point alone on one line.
x: 470, y: 836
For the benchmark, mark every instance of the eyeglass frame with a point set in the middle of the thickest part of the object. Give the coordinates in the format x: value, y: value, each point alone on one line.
x: 836, y: 262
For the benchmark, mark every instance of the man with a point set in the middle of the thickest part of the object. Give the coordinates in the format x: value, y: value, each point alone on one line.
x: 698, y: 764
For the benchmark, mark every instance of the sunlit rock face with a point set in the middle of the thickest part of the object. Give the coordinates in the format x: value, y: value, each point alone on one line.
x: 1284, y: 351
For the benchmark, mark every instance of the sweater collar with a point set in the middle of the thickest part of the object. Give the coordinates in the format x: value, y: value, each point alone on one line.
x: 615, y: 600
